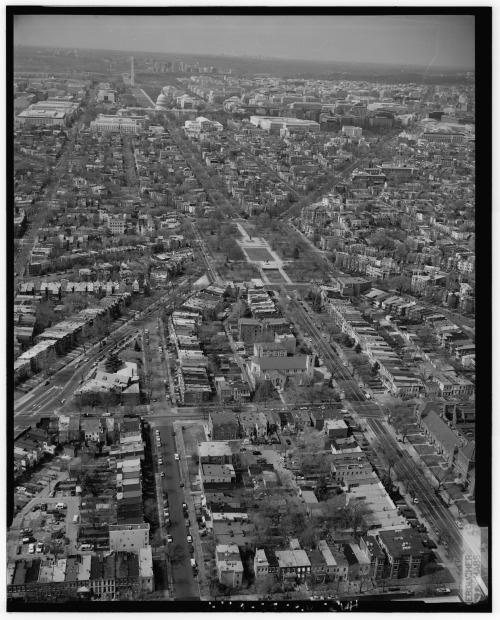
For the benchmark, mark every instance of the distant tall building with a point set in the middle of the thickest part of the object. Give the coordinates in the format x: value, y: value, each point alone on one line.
x: 132, y: 76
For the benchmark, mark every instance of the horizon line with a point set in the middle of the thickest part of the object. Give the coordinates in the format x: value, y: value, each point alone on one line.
x: 263, y: 58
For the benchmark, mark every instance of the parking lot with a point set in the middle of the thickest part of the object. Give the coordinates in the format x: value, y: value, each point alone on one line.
x: 52, y: 527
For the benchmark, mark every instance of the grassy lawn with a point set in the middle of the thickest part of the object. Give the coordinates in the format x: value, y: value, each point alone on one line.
x: 238, y: 271
x: 258, y: 254
x: 274, y: 276
x: 193, y: 434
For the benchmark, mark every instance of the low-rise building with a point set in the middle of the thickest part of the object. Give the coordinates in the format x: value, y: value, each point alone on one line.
x: 229, y: 565
x: 223, y: 426
x: 217, y: 474
x: 215, y: 453
x: 405, y: 553
x: 129, y: 537
x: 441, y: 435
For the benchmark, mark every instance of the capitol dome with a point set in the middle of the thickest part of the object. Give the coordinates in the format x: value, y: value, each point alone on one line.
x: 161, y: 102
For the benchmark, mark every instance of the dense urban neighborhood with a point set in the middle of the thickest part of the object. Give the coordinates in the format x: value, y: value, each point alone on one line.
x: 244, y: 331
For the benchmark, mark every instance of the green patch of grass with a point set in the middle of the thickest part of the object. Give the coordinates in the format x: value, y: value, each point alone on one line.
x: 193, y: 434
x: 258, y: 254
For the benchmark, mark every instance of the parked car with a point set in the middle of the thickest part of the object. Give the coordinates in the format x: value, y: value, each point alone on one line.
x: 443, y: 590
x: 181, y: 484
x: 189, y: 538
x: 184, y: 506
x: 31, y: 548
x: 187, y: 522
x: 169, y: 538
x: 176, y: 457
x: 39, y: 547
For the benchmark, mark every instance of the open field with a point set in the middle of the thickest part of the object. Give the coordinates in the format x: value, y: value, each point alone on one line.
x: 259, y: 254
x: 193, y: 434
x: 274, y: 276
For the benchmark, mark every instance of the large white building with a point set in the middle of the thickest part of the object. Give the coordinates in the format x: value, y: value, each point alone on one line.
x: 116, y: 124
x: 42, y: 116
x: 274, y: 124
x: 117, y: 224
x: 202, y: 125
x: 352, y: 131
x: 106, y: 95
x: 127, y: 537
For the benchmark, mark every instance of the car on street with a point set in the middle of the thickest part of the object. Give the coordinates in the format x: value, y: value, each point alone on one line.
x: 181, y: 484
x: 160, y: 461
x: 184, y: 506
x: 416, y: 500
x: 173, y: 433
x: 187, y: 522
x: 443, y: 590
x: 162, y: 474
x: 176, y: 457
x: 459, y: 524
x: 169, y: 538
x: 256, y: 453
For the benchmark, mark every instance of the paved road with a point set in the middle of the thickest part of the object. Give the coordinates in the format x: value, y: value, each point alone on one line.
x: 331, y: 360
x: 438, y: 515
x: 21, y: 261
x: 440, y: 518
x: 184, y: 584
x: 46, y: 399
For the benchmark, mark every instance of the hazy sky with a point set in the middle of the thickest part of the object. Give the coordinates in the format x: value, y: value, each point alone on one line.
x: 428, y: 40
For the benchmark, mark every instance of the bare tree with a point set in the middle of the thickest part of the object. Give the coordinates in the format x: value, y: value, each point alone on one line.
x: 97, y: 512
x: 443, y: 478
x: 402, y: 419
x: 49, y: 363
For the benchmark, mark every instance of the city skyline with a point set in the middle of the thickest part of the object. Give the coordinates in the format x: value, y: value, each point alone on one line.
x: 243, y: 280
x: 431, y: 41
